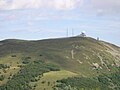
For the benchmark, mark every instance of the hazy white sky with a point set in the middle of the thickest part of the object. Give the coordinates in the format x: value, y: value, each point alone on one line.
x: 38, y: 19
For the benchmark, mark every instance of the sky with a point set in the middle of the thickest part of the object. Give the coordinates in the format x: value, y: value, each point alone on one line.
x: 43, y: 19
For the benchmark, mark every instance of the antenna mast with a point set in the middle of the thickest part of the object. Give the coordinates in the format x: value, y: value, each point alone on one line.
x: 72, y: 32
x: 67, y: 32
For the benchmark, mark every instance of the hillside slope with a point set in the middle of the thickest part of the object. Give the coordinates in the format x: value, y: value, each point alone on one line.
x: 83, y: 55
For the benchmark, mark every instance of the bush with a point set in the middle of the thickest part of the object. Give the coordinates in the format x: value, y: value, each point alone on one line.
x: 26, y: 61
x: 2, y: 66
x: 13, y: 56
x: 2, y: 77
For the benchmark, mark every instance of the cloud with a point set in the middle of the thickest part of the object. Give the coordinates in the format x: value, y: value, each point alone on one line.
x: 106, y: 6
x: 99, y: 7
x: 27, y: 4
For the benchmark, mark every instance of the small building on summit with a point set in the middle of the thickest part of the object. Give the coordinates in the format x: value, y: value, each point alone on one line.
x: 83, y: 34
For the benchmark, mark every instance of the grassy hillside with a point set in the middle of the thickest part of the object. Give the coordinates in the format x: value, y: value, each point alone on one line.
x: 83, y: 56
x: 48, y: 81
x: 101, y: 82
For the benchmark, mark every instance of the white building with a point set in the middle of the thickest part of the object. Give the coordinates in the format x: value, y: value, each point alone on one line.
x: 83, y: 34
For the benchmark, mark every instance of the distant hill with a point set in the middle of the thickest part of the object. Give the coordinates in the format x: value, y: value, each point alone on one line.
x: 36, y: 64
x: 83, y: 55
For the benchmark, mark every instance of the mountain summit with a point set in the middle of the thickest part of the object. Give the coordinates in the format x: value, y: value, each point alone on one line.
x: 83, y: 55
x: 81, y: 63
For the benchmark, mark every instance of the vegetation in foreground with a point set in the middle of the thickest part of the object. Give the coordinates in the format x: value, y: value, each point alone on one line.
x: 102, y: 82
x: 27, y: 74
x: 48, y: 81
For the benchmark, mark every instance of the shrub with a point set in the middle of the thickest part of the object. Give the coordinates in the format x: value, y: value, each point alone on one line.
x: 2, y: 77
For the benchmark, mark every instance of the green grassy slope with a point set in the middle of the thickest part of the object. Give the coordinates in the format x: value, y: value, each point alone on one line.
x: 48, y: 81
x: 85, y: 56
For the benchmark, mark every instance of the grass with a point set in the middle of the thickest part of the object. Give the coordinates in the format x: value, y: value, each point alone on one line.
x: 12, y: 62
x: 49, y: 79
x: 10, y: 71
x: 58, y: 52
